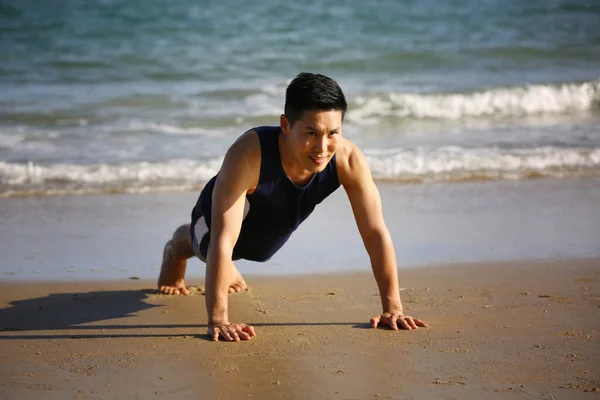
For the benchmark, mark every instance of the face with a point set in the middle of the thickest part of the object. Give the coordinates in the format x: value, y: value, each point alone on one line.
x: 314, y: 139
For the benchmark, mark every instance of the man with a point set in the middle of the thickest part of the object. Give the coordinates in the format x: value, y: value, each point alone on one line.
x: 270, y: 181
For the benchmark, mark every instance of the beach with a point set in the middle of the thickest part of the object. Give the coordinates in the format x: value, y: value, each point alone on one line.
x: 480, y: 124
x: 508, y: 281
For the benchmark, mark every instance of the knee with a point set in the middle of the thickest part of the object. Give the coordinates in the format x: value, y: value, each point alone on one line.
x: 182, y: 235
x: 183, y: 232
x: 182, y: 241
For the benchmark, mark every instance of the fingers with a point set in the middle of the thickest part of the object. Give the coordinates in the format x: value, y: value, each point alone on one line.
x: 414, y: 323
x: 405, y: 324
x: 393, y: 322
x: 249, y: 329
x: 375, y: 321
x: 232, y: 332
x: 397, y: 321
x: 411, y: 322
x: 243, y: 335
x: 226, y: 335
x: 418, y: 322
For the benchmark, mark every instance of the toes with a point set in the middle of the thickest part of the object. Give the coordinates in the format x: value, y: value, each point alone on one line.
x: 235, y: 289
x: 172, y: 290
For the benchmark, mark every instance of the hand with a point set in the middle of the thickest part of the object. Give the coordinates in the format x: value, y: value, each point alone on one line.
x: 397, y: 319
x: 231, y: 332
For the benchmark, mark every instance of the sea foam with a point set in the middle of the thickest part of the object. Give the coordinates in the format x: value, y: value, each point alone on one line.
x: 420, y: 164
x: 515, y: 101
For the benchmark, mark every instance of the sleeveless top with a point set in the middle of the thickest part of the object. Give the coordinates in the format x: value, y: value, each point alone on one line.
x: 276, y: 208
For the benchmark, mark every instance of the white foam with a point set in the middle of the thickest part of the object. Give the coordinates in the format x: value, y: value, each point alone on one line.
x: 403, y: 165
x: 137, y: 125
x: 176, y: 130
x: 458, y: 163
x: 128, y: 177
x: 496, y: 102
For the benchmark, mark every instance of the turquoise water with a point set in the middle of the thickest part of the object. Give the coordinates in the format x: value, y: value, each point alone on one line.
x: 108, y: 96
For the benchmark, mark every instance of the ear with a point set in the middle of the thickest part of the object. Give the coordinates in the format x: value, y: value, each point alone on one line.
x: 285, y: 125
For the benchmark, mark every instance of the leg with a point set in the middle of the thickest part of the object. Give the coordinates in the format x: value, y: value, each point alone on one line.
x: 238, y: 284
x: 175, y: 255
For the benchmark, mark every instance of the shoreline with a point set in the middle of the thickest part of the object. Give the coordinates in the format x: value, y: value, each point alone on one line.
x: 325, y: 274
x: 119, y: 236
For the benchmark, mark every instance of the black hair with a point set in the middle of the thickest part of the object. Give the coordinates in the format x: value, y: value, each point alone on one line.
x: 313, y: 92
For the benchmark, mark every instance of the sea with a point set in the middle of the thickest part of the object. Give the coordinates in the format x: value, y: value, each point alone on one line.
x: 108, y: 96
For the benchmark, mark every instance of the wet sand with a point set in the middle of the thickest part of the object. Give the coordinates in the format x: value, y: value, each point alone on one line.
x: 118, y: 236
x: 518, y: 330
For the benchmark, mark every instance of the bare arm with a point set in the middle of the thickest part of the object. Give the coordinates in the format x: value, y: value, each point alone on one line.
x: 355, y: 176
x: 238, y: 175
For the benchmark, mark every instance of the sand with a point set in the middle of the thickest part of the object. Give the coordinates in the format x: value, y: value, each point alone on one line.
x: 118, y: 236
x: 72, y: 325
x: 518, y: 330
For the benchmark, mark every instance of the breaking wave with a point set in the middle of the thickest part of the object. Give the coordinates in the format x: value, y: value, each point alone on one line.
x: 400, y: 165
x: 518, y: 101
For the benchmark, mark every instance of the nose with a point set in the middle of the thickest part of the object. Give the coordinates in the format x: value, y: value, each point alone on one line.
x: 321, y: 143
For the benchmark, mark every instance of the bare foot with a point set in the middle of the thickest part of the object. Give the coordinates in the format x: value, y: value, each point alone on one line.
x: 172, y: 272
x: 238, y: 284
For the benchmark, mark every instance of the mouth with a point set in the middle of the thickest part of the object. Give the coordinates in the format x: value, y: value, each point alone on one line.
x: 319, y: 160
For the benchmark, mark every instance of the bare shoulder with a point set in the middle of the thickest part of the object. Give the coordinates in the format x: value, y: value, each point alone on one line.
x: 246, y: 148
x: 351, y: 163
x: 242, y: 160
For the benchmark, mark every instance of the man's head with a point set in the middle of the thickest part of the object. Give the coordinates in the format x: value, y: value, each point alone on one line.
x: 313, y: 92
x: 315, y: 106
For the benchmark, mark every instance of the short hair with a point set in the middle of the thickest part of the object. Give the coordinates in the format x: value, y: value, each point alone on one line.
x: 313, y: 92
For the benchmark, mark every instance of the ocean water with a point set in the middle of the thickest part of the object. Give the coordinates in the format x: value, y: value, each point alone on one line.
x: 116, y: 96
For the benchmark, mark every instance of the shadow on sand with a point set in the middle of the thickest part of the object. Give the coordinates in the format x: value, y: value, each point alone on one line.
x: 80, y: 312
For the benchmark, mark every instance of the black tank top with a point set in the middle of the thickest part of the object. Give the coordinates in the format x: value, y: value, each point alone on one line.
x: 277, y: 206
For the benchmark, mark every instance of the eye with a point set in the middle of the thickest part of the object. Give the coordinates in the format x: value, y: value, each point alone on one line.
x: 311, y: 133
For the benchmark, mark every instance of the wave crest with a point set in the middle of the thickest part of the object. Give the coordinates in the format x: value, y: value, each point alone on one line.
x: 420, y: 164
x: 516, y: 101
x: 457, y: 163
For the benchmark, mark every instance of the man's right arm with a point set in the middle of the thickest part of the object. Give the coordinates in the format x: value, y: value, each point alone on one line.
x: 238, y: 175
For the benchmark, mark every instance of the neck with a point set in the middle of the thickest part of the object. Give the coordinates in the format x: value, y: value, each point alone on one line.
x: 295, y: 173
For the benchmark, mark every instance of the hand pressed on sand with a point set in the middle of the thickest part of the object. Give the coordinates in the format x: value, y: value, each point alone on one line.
x: 396, y: 320
x: 231, y: 332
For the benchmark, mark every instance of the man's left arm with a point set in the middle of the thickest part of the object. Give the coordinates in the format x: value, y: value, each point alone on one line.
x: 355, y: 176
